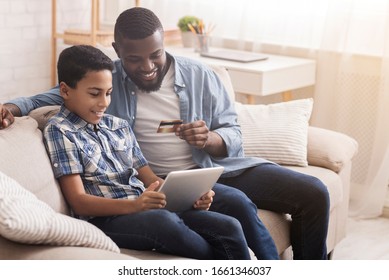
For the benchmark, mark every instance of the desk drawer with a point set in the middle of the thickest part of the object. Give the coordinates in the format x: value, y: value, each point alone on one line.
x: 246, y: 82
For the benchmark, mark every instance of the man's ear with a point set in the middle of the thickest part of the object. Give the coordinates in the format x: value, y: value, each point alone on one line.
x: 115, y: 47
x: 64, y: 90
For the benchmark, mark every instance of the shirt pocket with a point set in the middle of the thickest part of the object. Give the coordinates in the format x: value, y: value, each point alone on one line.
x: 122, y: 150
x: 91, y: 155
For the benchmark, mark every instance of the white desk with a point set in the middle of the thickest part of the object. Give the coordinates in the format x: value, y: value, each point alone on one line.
x: 277, y: 74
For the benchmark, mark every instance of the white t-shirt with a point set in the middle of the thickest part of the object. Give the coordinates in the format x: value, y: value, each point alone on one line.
x: 165, y: 152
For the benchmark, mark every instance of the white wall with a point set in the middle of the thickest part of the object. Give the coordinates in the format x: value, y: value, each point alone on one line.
x: 25, y: 42
x: 25, y: 27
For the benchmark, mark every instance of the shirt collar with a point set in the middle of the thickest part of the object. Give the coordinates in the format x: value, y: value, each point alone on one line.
x: 76, y: 121
x: 178, y: 80
x: 119, y: 69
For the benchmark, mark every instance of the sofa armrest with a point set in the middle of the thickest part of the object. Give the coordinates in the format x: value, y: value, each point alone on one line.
x: 330, y: 149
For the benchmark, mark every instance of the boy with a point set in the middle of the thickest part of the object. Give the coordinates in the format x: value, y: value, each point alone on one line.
x: 103, y: 173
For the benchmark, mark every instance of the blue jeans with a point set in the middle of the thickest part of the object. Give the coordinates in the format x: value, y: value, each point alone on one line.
x: 235, y: 203
x: 195, y: 234
x: 305, y: 197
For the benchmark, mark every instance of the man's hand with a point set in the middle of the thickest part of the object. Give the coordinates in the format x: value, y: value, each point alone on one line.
x: 205, y: 201
x: 6, y: 117
x: 198, y: 135
x: 195, y: 133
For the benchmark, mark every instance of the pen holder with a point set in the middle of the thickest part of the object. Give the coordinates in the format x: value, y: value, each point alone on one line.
x: 202, y: 43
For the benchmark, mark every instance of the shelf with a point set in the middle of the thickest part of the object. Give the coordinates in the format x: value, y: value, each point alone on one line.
x: 78, y: 36
x: 92, y: 37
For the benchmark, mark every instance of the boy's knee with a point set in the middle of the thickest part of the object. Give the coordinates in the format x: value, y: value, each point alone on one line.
x: 162, y: 218
x: 232, y: 225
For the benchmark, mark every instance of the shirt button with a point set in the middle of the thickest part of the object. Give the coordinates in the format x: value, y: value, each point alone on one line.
x: 133, y: 92
x: 55, y: 164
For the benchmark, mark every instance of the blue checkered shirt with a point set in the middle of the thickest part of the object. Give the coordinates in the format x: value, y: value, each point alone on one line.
x: 106, y: 156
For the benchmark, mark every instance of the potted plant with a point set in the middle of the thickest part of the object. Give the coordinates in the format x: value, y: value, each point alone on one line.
x: 186, y: 35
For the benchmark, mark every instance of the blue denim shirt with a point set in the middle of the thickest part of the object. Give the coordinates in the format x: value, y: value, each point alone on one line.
x: 202, y: 97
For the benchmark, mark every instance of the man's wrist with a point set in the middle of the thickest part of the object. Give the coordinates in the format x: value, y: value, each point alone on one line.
x: 215, y: 145
x: 15, y: 110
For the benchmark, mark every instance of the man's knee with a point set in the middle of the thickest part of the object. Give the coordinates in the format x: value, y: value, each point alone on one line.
x: 319, y: 196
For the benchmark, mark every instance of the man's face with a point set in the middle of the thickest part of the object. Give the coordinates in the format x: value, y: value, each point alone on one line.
x: 144, y: 60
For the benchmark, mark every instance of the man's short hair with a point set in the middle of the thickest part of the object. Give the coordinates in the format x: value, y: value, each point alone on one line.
x: 136, y: 23
x: 74, y: 62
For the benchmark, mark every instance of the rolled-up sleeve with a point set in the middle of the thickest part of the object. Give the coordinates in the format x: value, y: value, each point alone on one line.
x: 224, y: 118
x: 27, y: 104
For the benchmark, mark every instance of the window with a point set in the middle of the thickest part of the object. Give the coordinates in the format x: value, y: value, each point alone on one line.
x: 355, y: 26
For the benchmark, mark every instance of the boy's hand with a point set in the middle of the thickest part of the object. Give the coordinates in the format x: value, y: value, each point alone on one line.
x: 150, y: 199
x: 205, y: 201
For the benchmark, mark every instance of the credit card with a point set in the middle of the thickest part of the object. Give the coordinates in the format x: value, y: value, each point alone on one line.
x: 168, y: 126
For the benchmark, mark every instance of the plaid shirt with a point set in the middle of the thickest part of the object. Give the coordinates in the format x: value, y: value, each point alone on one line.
x: 106, y: 158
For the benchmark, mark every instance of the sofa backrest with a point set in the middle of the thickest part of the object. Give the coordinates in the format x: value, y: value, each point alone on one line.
x: 24, y: 158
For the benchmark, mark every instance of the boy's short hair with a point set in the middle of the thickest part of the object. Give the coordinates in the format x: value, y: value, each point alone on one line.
x: 74, y: 62
x: 136, y: 23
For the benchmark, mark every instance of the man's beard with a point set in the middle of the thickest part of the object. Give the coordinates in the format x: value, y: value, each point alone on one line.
x: 149, y: 87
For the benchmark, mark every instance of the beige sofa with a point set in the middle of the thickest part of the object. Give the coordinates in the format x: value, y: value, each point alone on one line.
x: 24, y: 159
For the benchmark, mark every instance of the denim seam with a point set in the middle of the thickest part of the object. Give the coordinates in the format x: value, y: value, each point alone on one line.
x: 215, y: 237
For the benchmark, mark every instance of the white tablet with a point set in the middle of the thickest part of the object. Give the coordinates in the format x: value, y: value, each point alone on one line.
x: 183, y: 188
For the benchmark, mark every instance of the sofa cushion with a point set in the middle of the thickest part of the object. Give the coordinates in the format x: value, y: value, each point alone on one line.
x: 277, y: 132
x: 10, y: 250
x: 26, y: 219
x: 278, y: 225
x: 32, y: 169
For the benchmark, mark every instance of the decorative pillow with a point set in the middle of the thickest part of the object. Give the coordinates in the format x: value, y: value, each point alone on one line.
x: 26, y: 219
x: 277, y: 132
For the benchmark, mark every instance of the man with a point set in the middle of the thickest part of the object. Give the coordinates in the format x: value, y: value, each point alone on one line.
x: 153, y: 85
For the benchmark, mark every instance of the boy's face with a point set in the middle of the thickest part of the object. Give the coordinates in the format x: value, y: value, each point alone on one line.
x: 144, y: 60
x: 91, y: 97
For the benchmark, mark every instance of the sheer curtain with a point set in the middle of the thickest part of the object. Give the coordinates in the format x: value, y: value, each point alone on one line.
x: 349, y: 40
x: 352, y: 93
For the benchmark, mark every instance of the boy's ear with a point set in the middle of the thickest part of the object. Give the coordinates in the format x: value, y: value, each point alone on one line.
x: 64, y: 90
x: 115, y: 47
